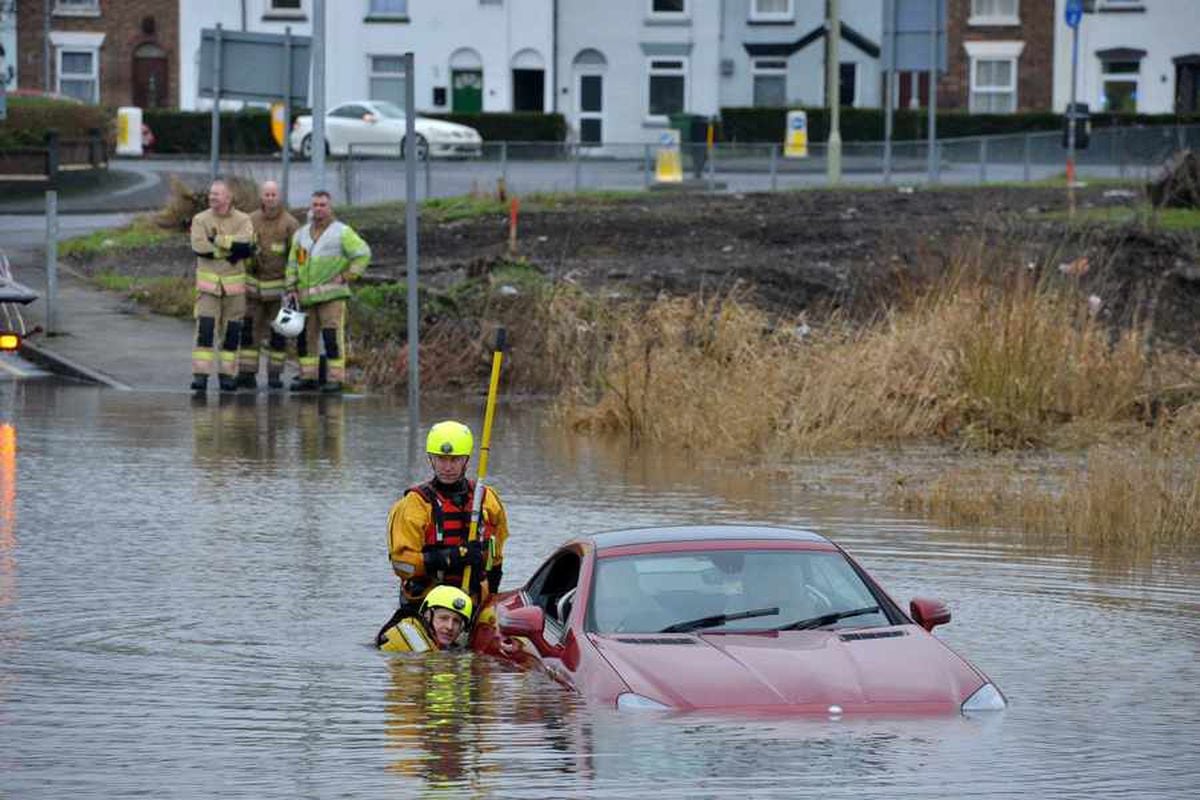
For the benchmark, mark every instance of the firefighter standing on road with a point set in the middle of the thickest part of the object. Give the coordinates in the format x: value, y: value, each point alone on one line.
x: 222, y: 239
x: 428, y: 527
x: 326, y: 255
x: 265, y: 286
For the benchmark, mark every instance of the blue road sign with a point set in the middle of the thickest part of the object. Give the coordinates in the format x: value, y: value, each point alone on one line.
x: 1073, y: 12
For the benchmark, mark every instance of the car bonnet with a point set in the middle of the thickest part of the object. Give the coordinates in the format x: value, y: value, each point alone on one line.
x: 900, y: 669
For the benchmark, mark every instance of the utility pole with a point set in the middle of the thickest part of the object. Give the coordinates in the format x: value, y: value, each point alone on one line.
x: 1074, y: 14
x: 833, y: 35
x: 413, y: 310
x: 49, y: 6
x: 934, y: 166
x: 318, y: 91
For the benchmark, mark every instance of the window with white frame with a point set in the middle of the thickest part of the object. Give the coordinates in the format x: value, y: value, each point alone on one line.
x: 77, y: 8
x: 995, y: 12
x: 388, y: 8
x: 1119, y: 77
x: 667, y: 88
x: 668, y: 8
x: 770, y: 82
x: 79, y: 74
x: 993, y: 71
x: 286, y: 6
x: 385, y: 81
x: 771, y: 11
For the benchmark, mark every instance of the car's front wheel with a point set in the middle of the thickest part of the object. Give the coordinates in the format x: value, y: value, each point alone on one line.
x: 306, y: 147
x: 422, y: 148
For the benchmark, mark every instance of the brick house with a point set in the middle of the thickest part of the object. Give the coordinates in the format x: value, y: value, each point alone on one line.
x: 112, y: 52
x: 1000, y: 59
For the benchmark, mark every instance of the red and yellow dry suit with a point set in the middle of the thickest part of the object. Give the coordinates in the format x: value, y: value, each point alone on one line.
x: 433, y: 516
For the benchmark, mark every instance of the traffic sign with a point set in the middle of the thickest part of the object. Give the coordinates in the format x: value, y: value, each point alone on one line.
x: 1073, y: 12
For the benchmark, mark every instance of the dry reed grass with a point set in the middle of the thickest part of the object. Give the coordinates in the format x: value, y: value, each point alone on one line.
x: 184, y: 202
x: 1137, y: 500
x: 993, y: 363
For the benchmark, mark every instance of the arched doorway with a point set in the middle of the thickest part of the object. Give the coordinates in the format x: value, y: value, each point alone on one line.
x: 589, y: 67
x: 149, y: 76
x: 529, y: 81
x: 466, y: 81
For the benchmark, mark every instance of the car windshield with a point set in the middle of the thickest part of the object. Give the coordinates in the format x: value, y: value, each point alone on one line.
x: 388, y: 109
x: 653, y: 592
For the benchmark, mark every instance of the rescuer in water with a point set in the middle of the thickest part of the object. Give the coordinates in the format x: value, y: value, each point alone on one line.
x: 444, y: 616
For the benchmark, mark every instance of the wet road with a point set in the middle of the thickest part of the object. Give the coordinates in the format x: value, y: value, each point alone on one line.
x: 187, y: 594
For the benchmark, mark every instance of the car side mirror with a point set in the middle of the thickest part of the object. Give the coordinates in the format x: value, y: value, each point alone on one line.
x: 528, y: 622
x: 928, y: 613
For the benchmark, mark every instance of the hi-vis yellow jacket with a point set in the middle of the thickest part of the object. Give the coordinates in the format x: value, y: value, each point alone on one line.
x: 318, y: 270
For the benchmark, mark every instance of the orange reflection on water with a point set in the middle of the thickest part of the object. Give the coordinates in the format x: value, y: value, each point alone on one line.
x: 8, y: 513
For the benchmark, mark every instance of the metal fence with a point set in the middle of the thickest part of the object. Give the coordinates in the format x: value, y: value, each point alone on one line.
x: 526, y: 167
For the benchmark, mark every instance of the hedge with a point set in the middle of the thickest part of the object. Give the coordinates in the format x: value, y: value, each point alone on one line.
x: 866, y: 124
x: 242, y: 133
x: 517, y: 126
x: 29, y: 118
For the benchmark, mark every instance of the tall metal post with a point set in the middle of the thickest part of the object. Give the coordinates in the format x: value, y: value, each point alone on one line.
x: 889, y: 94
x: 52, y: 260
x: 1071, y: 123
x: 410, y: 246
x: 214, y: 144
x: 318, y: 95
x: 774, y: 167
x: 833, y: 35
x: 47, y: 10
x: 287, y: 113
x: 935, y: 16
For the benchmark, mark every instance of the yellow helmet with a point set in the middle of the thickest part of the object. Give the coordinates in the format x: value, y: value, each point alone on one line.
x: 449, y: 597
x: 449, y: 438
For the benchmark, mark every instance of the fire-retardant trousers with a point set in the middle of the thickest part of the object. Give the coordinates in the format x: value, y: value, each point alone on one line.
x: 325, y: 323
x: 210, y: 310
x: 257, y: 335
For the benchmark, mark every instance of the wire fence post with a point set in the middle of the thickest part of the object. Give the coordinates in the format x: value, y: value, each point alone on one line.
x: 983, y: 157
x: 646, y: 166
x: 347, y: 169
x: 578, y: 169
x: 1121, y: 152
x: 1026, y: 157
x: 428, y: 178
x: 774, y: 161
x: 504, y: 162
x: 51, y: 259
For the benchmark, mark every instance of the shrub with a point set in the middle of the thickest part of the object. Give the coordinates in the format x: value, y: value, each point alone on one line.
x: 29, y: 118
x: 516, y: 126
x: 244, y: 132
x: 185, y: 202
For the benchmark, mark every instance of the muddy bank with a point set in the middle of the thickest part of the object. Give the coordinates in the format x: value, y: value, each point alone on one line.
x: 788, y: 252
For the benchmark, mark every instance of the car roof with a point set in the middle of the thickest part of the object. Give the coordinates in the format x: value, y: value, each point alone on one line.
x: 700, y: 533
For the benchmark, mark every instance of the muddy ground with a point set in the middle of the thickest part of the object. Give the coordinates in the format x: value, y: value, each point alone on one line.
x: 798, y: 251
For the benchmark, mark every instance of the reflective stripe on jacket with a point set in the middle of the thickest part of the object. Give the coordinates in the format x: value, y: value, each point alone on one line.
x: 318, y: 271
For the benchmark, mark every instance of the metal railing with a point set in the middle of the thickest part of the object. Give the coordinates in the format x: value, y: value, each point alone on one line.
x: 525, y: 167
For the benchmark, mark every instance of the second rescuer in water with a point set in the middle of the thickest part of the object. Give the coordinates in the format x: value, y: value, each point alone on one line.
x: 428, y: 527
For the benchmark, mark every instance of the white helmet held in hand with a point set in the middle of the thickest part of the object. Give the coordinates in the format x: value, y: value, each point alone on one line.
x: 288, y: 322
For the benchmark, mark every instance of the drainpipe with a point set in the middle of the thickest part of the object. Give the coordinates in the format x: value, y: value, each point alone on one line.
x: 243, y: 6
x: 554, y: 56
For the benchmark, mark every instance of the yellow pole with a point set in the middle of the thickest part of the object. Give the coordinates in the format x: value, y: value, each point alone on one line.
x: 484, y: 448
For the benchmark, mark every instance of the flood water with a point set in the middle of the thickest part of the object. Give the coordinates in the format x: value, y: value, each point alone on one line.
x: 188, y: 593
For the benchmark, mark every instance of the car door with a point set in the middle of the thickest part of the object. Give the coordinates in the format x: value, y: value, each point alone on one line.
x: 554, y: 588
x: 344, y: 128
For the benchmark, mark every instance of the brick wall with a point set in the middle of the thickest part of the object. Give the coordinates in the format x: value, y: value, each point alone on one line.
x: 127, y: 25
x: 1035, y: 67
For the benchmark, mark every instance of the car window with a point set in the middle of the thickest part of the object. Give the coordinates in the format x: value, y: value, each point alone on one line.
x: 644, y: 594
x: 350, y: 111
x: 389, y: 110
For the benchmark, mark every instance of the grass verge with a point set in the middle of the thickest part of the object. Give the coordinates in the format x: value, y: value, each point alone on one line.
x: 173, y: 296
x: 1141, y: 215
x: 140, y: 233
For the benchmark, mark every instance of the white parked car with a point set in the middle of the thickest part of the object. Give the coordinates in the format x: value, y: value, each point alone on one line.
x: 377, y: 127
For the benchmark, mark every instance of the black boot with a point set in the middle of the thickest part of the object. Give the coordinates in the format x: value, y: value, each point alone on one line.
x: 199, y: 382
x: 228, y: 384
x: 274, y: 380
x: 247, y: 380
x: 304, y: 385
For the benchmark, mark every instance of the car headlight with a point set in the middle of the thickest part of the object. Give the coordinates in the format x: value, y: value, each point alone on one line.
x: 985, y: 698
x: 631, y: 701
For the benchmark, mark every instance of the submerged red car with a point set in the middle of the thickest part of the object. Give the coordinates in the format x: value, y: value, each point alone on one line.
x: 731, y: 617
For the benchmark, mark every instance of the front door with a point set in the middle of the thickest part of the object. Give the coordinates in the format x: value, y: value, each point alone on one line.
x: 466, y: 91
x: 591, y: 109
x: 149, y: 78
x: 1187, y: 88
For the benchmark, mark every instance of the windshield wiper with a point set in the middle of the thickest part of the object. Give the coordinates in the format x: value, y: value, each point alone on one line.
x: 826, y: 619
x: 714, y: 620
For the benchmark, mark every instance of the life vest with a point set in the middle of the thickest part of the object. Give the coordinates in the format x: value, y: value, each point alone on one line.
x: 450, y: 523
x: 408, y: 635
